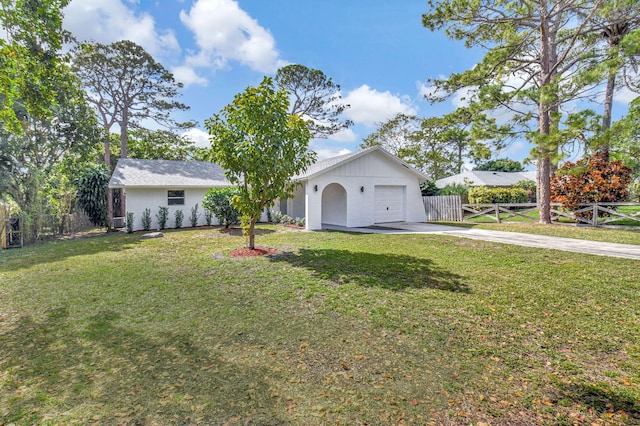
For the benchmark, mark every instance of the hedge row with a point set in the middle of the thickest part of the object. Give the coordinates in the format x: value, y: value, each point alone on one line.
x: 486, y: 195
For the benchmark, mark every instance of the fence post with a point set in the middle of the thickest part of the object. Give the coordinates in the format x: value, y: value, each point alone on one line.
x: 497, y: 208
x: 594, y: 219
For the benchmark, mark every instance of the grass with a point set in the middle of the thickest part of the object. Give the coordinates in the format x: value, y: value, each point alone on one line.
x: 338, y: 328
x: 607, y: 235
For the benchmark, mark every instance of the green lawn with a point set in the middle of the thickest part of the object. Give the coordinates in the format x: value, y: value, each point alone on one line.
x: 608, y: 235
x: 338, y: 328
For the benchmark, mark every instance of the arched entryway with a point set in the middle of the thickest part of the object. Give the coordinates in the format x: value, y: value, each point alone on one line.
x: 334, y: 205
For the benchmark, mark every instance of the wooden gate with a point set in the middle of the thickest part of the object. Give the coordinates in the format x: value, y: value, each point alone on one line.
x: 10, y: 229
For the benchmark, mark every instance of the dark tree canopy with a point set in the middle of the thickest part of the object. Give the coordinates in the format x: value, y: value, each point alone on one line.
x: 315, y: 97
x: 126, y: 85
x: 160, y: 145
x: 501, y: 165
x: 29, y: 57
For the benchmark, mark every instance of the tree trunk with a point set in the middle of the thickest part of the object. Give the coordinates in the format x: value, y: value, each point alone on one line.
x: 544, y: 188
x: 252, y: 237
x: 606, y: 116
x: 124, y: 137
x: 107, y: 163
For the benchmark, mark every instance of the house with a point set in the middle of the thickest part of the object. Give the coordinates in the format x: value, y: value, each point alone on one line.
x: 178, y: 185
x: 358, y: 189
x: 354, y: 190
x: 483, y: 178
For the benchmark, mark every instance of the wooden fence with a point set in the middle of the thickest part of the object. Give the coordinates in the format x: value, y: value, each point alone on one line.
x: 443, y: 207
x: 450, y: 208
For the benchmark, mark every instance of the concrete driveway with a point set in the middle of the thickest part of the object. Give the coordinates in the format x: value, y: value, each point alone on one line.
x: 627, y: 251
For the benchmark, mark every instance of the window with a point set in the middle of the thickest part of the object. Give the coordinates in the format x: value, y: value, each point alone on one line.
x: 175, y: 198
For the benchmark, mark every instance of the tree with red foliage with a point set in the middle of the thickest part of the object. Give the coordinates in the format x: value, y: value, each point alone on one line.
x: 590, y: 180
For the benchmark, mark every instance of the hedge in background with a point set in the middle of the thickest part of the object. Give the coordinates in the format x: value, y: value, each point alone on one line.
x: 487, y: 195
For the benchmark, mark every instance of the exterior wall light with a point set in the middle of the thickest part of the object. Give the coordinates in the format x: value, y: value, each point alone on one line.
x: 315, y: 188
x: 362, y: 189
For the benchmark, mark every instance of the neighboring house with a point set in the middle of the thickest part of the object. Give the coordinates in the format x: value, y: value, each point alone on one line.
x: 357, y: 189
x: 178, y: 185
x: 482, y: 178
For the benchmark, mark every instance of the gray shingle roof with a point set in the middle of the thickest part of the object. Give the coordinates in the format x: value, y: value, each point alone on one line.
x: 482, y: 178
x: 131, y: 172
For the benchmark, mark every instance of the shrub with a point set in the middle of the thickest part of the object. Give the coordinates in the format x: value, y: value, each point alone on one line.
x: 129, y: 222
x: 194, y: 216
x: 529, y: 186
x: 179, y: 217
x: 208, y: 217
x: 91, y: 194
x: 429, y: 188
x: 146, y: 219
x: 300, y: 221
x: 486, y: 195
x: 454, y: 189
x: 277, y: 217
x: 162, y: 216
x: 218, y: 200
x: 590, y: 180
x: 286, y: 220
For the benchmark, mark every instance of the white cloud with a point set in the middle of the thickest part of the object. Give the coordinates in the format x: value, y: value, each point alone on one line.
x: 224, y: 32
x: 426, y: 91
x: 188, y: 76
x: 346, y: 135
x: 328, y: 152
x: 198, y: 137
x: 108, y: 21
x: 625, y: 96
x: 370, y: 107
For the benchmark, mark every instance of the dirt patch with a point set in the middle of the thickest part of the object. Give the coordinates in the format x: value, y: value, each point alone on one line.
x: 258, y: 251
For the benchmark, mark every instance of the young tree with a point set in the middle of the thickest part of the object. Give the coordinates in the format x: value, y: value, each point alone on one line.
x: 532, y: 55
x: 126, y: 85
x: 315, y: 97
x: 261, y: 146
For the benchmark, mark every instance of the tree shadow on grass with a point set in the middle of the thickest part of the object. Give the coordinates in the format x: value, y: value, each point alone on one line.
x: 57, y: 250
x: 603, y: 400
x: 99, y: 369
x: 389, y: 271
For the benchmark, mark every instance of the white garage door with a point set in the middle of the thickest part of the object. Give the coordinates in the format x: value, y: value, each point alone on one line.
x: 389, y: 202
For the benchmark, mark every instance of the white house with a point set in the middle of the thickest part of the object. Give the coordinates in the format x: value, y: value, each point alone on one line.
x: 353, y: 190
x: 358, y: 189
x: 178, y: 185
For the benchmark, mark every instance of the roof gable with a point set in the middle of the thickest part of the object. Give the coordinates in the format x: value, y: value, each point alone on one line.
x: 131, y: 172
x: 324, y: 166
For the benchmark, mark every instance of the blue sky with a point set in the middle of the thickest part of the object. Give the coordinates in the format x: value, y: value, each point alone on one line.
x: 376, y: 50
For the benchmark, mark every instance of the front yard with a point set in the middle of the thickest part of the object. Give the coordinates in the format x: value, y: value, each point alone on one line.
x: 337, y: 328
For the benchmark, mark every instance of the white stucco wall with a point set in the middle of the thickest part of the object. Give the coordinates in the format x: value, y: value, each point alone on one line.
x: 138, y: 199
x: 365, y: 172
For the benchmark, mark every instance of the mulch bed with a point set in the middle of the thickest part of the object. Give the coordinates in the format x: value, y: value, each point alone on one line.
x: 258, y: 251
